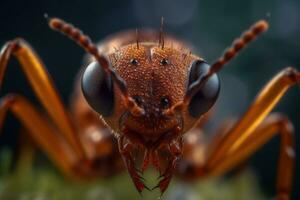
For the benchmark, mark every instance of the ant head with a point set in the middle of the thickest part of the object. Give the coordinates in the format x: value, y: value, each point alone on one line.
x: 158, y: 78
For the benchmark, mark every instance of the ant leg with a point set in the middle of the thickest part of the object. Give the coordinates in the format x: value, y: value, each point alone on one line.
x: 240, y: 135
x: 43, y: 87
x: 42, y: 132
x: 260, y: 108
x: 272, y: 125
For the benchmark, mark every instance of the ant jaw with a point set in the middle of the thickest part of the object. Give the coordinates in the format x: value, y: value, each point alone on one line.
x: 128, y: 144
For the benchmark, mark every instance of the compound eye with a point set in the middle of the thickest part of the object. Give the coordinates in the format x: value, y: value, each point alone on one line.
x: 206, y: 97
x: 97, y: 89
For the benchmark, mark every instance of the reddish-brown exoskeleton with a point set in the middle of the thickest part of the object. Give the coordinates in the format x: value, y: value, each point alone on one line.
x: 149, y: 91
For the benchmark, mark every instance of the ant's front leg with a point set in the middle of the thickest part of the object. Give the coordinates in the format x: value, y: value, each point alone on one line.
x: 43, y: 88
x: 42, y: 132
x: 252, y: 131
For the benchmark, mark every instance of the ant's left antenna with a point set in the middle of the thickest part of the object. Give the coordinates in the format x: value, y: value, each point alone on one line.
x: 84, y: 41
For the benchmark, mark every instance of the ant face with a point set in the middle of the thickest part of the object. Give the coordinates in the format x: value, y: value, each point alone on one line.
x: 157, y: 79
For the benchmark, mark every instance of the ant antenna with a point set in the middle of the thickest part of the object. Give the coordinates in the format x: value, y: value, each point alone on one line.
x: 161, y: 33
x: 84, y: 41
x: 240, y: 43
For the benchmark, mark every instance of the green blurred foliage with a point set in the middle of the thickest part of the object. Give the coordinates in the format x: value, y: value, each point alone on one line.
x: 32, y: 182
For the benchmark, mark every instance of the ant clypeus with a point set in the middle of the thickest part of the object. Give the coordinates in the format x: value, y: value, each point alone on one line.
x: 148, y: 94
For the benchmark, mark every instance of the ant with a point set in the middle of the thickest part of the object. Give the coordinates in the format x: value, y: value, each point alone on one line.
x: 149, y: 90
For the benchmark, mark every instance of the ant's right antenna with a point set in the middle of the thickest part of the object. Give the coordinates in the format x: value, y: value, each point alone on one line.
x: 240, y: 43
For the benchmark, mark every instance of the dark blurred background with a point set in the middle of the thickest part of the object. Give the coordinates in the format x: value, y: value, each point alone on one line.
x: 209, y: 25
